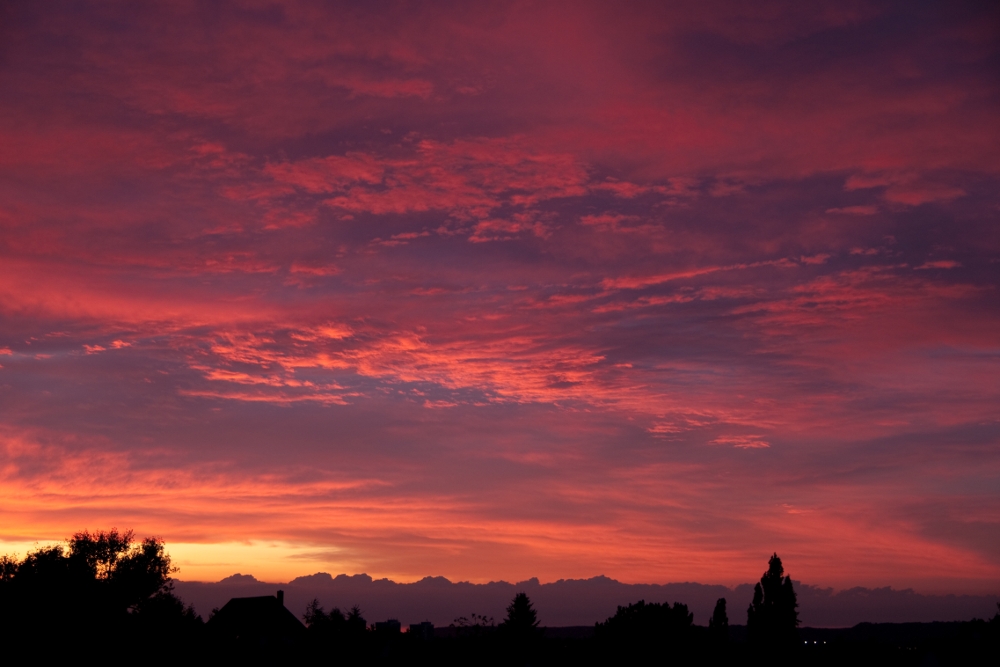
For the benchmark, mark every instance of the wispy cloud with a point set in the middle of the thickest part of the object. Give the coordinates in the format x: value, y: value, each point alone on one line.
x: 452, y: 292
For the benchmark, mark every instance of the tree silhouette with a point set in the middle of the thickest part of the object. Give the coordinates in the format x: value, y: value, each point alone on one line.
x: 522, y: 620
x: 772, y: 618
x: 329, y: 629
x: 323, y: 624
x: 101, y: 584
x: 473, y: 620
x: 101, y: 552
x: 520, y: 630
x: 640, y: 630
x: 163, y: 615
x: 314, y: 614
x: 473, y: 625
x: 718, y: 624
x: 355, y: 624
x: 347, y: 634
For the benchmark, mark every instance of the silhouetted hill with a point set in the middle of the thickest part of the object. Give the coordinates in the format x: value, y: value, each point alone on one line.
x: 575, y: 602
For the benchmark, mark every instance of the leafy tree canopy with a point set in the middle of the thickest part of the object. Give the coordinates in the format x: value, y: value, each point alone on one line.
x: 97, y: 583
x: 648, y: 620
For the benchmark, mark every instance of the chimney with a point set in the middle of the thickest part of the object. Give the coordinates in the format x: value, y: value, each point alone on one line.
x: 281, y: 598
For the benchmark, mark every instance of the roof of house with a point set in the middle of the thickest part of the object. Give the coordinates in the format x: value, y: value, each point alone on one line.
x: 257, y: 620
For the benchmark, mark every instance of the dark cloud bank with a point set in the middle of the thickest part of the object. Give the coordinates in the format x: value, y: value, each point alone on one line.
x: 579, y: 601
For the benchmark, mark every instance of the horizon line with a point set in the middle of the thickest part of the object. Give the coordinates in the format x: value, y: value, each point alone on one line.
x: 538, y: 582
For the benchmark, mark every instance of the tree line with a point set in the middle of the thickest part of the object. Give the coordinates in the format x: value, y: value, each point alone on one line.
x: 108, y: 588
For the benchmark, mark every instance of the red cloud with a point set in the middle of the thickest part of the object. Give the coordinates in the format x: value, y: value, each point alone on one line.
x: 354, y: 280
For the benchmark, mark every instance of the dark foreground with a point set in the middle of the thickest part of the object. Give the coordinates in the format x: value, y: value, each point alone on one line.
x: 917, y: 644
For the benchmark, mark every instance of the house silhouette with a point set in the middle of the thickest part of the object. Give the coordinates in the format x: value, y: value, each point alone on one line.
x: 262, y: 622
x: 392, y: 626
x: 423, y: 630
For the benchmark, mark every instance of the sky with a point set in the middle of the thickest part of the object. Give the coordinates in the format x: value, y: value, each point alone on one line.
x: 506, y: 290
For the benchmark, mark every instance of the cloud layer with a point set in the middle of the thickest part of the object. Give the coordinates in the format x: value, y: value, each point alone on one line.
x: 507, y: 291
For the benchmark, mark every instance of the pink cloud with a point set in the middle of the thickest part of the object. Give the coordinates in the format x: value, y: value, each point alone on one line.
x: 636, y: 282
x: 854, y: 210
x: 327, y: 175
x: 389, y: 88
x: 360, y: 280
x: 314, y: 270
x: 914, y: 194
x: 939, y: 264
x: 742, y: 441
x: 910, y: 189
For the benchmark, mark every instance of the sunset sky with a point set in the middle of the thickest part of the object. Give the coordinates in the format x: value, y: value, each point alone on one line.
x: 506, y: 290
